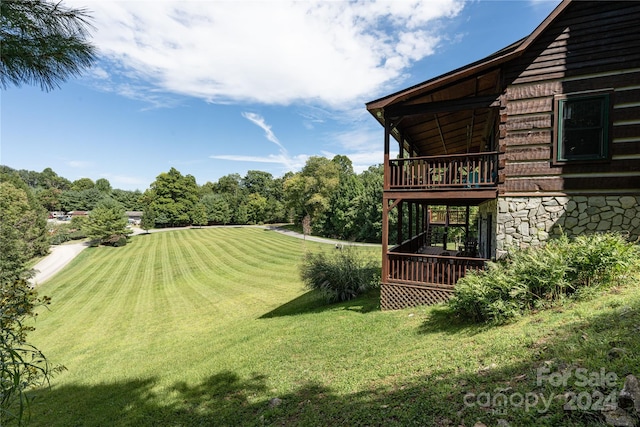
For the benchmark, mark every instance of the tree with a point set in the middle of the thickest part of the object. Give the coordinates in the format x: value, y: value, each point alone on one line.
x: 104, y: 186
x: 230, y: 187
x: 131, y: 200
x: 309, y: 191
x: 217, y: 208
x: 15, y: 211
x: 199, y: 215
x: 340, y: 219
x: 173, y: 198
x: 22, y: 236
x: 256, y: 208
x: 43, y: 43
x: 368, y: 207
x: 107, y: 223
x: 84, y: 200
x: 49, y: 179
x: 49, y: 198
x: 148, y: 219
x: 258, y: 182
x: 23, y: 217
x: 21, y: 364
x: 82, y: 184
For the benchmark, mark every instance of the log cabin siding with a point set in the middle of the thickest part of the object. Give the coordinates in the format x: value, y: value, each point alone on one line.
x: 586, y: 38
x: 580, y: 52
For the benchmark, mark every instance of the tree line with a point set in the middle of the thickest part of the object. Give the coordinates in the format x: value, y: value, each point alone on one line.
x: 326, y: 197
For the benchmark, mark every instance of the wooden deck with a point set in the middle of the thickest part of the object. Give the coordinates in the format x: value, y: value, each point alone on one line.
x: 442, y: 271
x: 422, y: 279
x: 459, y: 171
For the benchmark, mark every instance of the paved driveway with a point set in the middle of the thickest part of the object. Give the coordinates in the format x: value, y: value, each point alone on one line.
x: 59, y: 257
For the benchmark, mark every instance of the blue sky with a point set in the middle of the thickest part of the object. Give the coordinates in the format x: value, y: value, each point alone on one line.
x: 219, y: 87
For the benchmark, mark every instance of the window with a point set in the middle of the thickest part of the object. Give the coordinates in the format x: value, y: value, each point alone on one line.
x: 582, y: 124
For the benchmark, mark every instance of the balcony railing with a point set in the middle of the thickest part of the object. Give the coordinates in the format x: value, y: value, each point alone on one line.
x: 458, y: 171
x: 429, y: 270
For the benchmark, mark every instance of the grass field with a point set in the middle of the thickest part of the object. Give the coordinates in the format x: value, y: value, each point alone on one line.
x: 206, y: 326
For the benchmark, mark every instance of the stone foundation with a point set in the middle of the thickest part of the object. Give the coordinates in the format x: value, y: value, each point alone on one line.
x: 531, y: 221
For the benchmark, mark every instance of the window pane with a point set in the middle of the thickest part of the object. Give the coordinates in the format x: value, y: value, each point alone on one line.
x: 582, y: 143
x: 583, y: 128
x: 583, y: 113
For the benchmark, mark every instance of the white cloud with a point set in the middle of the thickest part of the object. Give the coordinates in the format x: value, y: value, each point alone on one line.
x: 272, y: 52
x: 284, y: 158
x: 258, y: 120
x: 291, y: 163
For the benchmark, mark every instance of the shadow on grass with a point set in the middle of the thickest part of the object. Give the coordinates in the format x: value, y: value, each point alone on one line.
x: 445, y: 395
x: 226, y: 399
x: 314, y: 302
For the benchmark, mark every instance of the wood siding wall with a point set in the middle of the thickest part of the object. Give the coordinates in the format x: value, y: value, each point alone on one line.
x: 592, y: 46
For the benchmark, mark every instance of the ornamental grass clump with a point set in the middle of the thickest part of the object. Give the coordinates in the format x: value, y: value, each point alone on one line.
x: 539, y: 278
x: 340, y: 276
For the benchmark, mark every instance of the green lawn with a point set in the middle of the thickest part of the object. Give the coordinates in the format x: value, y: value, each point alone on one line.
x: 205, y: 326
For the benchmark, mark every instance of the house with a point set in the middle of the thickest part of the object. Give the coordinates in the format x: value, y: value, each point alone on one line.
x: 134, y: 217
x: 77, y: 213
x: 540, y: 138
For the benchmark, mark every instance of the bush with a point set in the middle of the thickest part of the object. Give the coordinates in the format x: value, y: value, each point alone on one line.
x: 61, y: 233
x: 117, y: 240
x: 543, y: 277
x: 340, y: 276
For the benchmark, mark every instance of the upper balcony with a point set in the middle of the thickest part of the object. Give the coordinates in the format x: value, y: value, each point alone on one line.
x: 469, y: 176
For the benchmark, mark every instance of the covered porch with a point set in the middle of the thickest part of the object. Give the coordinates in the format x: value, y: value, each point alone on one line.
x: 448, y: 164
x: 436, y: 246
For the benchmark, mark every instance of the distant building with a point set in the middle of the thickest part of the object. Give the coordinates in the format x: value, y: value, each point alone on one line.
x: 134, y: 217
x: 77, y: 213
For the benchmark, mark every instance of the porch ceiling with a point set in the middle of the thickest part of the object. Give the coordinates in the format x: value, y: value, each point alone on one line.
x: 451, y: 119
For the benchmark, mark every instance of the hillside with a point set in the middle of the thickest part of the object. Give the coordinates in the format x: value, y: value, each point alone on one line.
x: 214, y: 327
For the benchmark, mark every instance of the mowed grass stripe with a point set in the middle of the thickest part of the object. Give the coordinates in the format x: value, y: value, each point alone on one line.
x: 261, y: 280
x: 95, y: 291
x: 134, y: 315
x: 189, y: 286
x: 342, y: 364
x: 199, y: 277
x: 148, y: 248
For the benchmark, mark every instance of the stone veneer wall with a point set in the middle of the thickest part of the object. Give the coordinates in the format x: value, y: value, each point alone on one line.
x: 531, y: 221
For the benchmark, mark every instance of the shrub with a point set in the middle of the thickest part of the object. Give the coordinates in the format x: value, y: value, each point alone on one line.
x: 543, y: 277
x: 61, y: 233
x: 340, y: 276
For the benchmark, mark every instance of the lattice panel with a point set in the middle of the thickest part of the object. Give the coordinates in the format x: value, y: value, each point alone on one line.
x: 395, y: 297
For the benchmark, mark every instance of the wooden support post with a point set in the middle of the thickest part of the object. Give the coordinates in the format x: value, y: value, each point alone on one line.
x: 385, y: 239
x: 400, y: 215
x: 385, y: 204
x: 445, y: 235
x: 410, y: 219
x: 466, y: 226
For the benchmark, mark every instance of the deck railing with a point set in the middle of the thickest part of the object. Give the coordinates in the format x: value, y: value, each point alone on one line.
x: 457, y: 171
x: 433, y: 270
x: 457, y: 215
